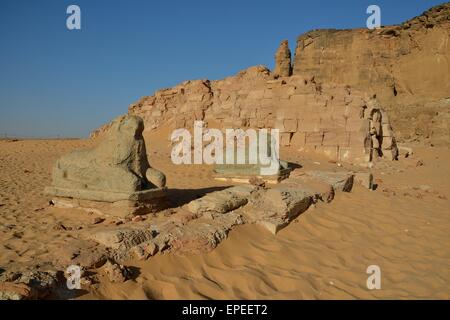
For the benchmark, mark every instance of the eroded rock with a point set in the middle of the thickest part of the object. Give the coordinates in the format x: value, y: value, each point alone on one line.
x: 275, y: 208
x: 116, y: 273
x: 223, y: 201
x: 28, y: 284
x: 283, y: 66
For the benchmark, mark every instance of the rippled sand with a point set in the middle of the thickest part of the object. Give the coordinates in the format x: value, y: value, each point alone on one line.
x: 401, y: 227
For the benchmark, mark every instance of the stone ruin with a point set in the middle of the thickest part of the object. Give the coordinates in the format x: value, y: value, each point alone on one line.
x: 247, y: 172
x: 313, y: 112
x: 114, y: 178
x: 200, y: 225
x: 333, y: 120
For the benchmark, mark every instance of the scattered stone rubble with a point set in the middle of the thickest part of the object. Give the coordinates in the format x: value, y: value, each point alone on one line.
x: 28, y: 284
x: 116, y: 272
x: 203, y: 223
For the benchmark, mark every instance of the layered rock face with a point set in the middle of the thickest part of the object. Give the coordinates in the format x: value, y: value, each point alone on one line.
x: 406, y: 66
x: 283, y: 66
x: 328, y: 104
x: 334, y: 120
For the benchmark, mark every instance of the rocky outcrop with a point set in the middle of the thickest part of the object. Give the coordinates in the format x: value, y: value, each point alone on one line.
x: 406, y: 66
x: 283, y: 66
x: 349, y: 91
x: 331, y: 119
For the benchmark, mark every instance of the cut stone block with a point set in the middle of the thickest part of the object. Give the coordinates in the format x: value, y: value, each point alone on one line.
x: 275, y: 208
x: 244, y: 173
x: 285, y: 139
x: 106, y: 196
x: 121, y: 238
x: 221, y: 201
x: 336, y: 138
x: 201, y: 236
x: 309, y: 124
x: 326, y: 123
x: 290, y: 125
x: 316, y: 189
x: 314, y: 138
x: 356, y: 124
x: 298, y: 139
x: 340, y: 181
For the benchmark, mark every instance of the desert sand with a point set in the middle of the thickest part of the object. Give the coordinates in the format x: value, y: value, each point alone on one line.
x: 376, y: 103
x: 402, y: 226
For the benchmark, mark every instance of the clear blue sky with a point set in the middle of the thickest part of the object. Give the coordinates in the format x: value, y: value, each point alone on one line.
x: 59, y: 82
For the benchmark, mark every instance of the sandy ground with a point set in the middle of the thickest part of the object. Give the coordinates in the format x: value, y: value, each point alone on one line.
x: 402, y: 227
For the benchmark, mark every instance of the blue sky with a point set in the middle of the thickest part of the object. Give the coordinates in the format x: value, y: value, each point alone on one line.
x: 59, y: 82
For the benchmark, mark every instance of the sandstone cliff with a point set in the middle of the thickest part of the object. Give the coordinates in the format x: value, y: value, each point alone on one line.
x: 327, y: 104
x: 335, y: 120
x: 406, y: 66
x: 283, y: 66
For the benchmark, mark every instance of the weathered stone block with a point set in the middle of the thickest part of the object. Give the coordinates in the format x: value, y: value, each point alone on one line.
x: 275, y: 208
x: 309, y: 124
x: 220, y: 202
x: 298, y: 139
x: 285, y: 139
x: 300, y: 100
x: 256, y: 94
x: 336, y: 138
x: 340, y: 181
x: 263, y: 113
x: 290, y: 125
x: 314, y: 138
x: 356, y: 124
